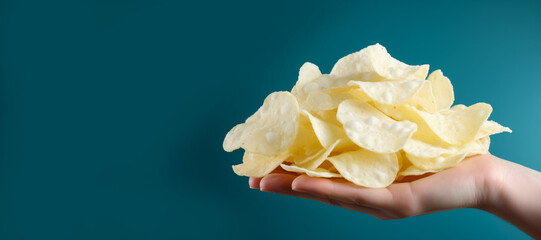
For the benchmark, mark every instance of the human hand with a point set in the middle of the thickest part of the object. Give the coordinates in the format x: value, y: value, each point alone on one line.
x: 467, y: 185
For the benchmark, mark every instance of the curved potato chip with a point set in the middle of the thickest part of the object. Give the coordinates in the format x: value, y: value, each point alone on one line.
x: 442, y: 89
x: 257, y: 165
x: 458, y: 127
x: 370, y: 129
x: 321, y: 101
x: 366, y: 168
x: 306, y: 144
x: 449, y: 127
x: 406, y: 112
x: 314, y: 162
x: 490, y: 128
x: 424, y: 99
x: 307, y: 73
x: 422, y: 149
x: 328, y: 133
x: 415, y: 171
x: 390, y: 92
x: 318, y: 172
x: 479, y: 146
x: 271, y: 130
x: 435, y: 163
x: 374, y: 63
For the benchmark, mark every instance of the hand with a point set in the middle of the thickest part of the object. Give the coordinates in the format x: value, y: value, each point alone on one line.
x: 503, y: 188
x: 466, y: 185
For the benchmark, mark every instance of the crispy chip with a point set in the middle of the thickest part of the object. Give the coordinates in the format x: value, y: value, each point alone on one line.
x: 390, y: 92
x: 328, y: 133
x: 257, y: 165
x: 442, y: 89
x: 415, y: 171
x: 458, y: 127
x: 306, y: 145
x: 419, y: 148
x: 319, y: 158
x: 271, y: 130
x: 436, y: 163
x: 372, y: 120
x: 318, y: 172
x: 371, y: 129
x: 308, y: 73
x: 366, y: 168
x: 424, y: 99
x: 490, y: 128
x: 374, y: 63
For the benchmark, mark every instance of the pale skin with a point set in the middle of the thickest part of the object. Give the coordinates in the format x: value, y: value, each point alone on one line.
x: 505, y: 189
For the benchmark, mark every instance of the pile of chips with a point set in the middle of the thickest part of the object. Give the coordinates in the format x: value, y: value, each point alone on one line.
x: 372, y: 120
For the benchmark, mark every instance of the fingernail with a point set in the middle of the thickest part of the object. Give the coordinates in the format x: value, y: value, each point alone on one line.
x: 295, y: 187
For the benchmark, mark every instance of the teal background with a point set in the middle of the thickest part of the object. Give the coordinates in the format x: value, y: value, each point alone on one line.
x: 113, y: 112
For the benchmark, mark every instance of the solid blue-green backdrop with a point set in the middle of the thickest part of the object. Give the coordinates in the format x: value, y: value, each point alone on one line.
x: 113, y: 112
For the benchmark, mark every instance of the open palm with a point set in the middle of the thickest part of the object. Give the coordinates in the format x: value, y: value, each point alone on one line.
x: 463, y: 186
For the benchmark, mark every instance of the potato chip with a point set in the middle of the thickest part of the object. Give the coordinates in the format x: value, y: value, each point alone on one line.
x: 479, y: 146
x: 442, y: 89
x: 458, y: 127
x: 415, y: 171
x: 389, y: 92
x: 306, y: 145
x: 371, y: 129
x: 271, y: 130
x: 328, y: 133
x: 308, y: 73
x: 315, y: 162
x: 372, y: 120
x: 374, y: 63
x: 424, y: 99
x: 366, y: 168
x: 435, y: 163
x: 490, y: 128
x: 257, y: 165
x: 318, y: 172
x: 422, y: 149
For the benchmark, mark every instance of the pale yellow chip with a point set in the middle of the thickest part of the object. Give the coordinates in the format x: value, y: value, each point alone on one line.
x: 490, y: 128
x: 366, y: 168
x: 271, y: 130
x: 308, y: 73
x: 422, y: 149
x: 479, y: 146
x: 257, y: 165
x: 321, y: 101
x: 442, y: 89
x: 407, y: 112
x: 321, y: 84
x: 391, y: 93
x: 435, y: 163
x: 372, y: 120
x: 458, y: 127
x: 374, y: 63
x: 415, y: 171
x: 450, y: 127
x: 370, y: 129
x: 318, y: 172
x: 328, y: 133
x: 424, y: 99
x: 314, y: 162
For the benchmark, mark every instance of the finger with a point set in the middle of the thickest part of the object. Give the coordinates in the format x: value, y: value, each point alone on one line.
x: 281, y: 184
x: 277, y: 183
x: 342, y: 190
x: 254, y: 182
